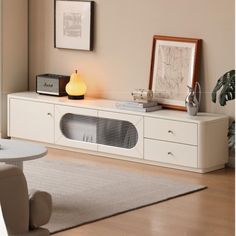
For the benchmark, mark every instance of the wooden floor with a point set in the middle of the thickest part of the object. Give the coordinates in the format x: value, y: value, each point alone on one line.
x: 204, y: 213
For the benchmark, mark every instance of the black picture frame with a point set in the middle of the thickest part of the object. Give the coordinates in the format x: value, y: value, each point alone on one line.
x: 74, y: 24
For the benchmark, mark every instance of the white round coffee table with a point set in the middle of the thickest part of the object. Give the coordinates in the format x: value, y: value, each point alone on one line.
x: 14, y: 152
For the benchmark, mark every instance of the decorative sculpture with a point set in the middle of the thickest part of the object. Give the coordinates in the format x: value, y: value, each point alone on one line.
x: 191, y: 102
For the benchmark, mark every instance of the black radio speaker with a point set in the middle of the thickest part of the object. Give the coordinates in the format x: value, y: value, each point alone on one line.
x: 51, y: 84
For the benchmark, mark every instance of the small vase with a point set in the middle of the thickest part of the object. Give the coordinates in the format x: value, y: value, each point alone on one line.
x: 191, y: 102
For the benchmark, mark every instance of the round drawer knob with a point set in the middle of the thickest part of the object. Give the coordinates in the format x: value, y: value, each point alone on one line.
x: 170, y: 154
x: 170, y: 132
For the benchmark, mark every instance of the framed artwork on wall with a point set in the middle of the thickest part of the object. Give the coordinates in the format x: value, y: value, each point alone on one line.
x: 174, y: 65
x: 73, y: 24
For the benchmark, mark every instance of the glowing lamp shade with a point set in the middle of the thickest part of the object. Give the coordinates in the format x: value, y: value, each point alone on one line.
x: 76, y: 88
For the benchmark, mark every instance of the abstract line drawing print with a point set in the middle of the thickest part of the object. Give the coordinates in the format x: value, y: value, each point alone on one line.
x: 173, y: 71
x: 72, y: 24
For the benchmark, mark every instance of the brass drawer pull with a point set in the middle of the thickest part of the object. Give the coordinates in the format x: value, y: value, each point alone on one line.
x: 170, y: 154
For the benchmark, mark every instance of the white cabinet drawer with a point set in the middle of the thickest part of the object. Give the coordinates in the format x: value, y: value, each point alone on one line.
x: 170, y: 130
x: 171, y: 153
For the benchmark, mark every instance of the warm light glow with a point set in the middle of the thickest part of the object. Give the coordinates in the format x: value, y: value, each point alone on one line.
x: 3, y: 230
x: 76, y: 87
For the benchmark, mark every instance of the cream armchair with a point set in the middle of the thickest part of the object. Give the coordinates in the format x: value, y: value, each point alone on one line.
x: 23, y: 213
x: 3, y: 229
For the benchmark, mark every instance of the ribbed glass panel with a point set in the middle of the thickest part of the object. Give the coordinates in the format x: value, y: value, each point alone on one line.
x: 117, y: 133
x: 110, y: 132
x: 80, y: 128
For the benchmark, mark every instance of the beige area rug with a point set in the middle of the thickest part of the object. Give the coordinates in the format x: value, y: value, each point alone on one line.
x: 84, y: 193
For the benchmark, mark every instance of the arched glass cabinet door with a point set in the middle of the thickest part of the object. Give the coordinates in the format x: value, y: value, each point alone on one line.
x: 79, y: 127
x: 116, y: 133
x: 112, y: 132
x: 76, y: 127
x: 120, y: 134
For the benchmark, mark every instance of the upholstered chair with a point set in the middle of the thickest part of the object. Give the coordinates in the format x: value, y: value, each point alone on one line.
x: 23, y: 213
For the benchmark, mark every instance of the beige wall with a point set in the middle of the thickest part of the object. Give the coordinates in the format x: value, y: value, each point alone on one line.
x: 124, y: 29
x: 14, y: 53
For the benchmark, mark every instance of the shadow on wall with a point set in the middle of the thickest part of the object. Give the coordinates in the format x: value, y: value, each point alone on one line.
x: 202, y: 80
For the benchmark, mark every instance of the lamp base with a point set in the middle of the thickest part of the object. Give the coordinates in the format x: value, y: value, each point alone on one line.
x: 80, y: 97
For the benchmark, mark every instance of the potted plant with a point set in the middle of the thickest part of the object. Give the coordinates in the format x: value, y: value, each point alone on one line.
x: 227, y: 85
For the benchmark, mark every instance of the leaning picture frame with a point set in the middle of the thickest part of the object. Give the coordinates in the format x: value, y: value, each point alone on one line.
x: 174, y: 66
x: 73, y: 24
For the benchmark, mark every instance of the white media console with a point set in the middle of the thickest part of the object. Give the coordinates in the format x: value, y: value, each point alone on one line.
x: 166, y: 138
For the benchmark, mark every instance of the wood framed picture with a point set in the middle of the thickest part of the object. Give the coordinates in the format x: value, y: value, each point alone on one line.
x: 174, y: 65
x: 73, y: 24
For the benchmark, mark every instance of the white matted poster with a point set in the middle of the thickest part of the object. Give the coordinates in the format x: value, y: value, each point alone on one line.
x: 73, y: 24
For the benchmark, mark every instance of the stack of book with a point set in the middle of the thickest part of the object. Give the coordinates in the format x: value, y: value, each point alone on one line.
x: 139, y: 106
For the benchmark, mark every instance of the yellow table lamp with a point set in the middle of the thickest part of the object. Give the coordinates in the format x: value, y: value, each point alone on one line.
x: 76, y: 88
